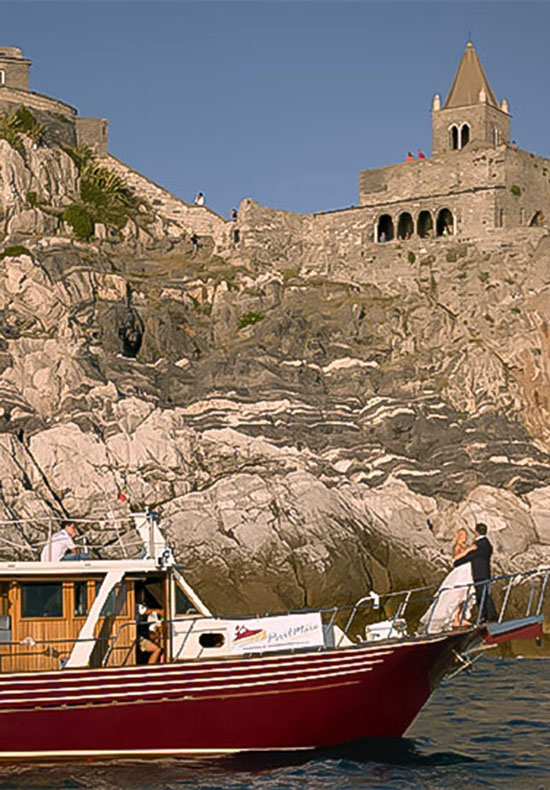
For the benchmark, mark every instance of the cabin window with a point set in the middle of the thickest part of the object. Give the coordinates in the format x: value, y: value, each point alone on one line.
x: 183, y: 604
x: 212, y: 640
x: 41, y: 599
x: 115, y: 604
x: 80, y: 599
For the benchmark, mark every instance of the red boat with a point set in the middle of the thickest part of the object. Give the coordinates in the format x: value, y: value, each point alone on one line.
x: 74, y: 682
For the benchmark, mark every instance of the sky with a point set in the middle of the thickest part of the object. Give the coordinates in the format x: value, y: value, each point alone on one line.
x: 283, y: 101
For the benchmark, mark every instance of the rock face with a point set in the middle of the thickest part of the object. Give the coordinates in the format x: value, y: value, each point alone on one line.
x: 307, y: 433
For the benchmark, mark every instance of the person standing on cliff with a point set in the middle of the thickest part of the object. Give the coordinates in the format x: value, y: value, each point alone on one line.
x: 199, y: 199
x: 410, y: 157
x: 420, y: 154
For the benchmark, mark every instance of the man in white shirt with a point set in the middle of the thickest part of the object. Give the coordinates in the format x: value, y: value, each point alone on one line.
x: 61, y: 546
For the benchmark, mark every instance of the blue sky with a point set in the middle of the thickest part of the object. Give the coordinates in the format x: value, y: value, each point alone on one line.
x: 278, y: 100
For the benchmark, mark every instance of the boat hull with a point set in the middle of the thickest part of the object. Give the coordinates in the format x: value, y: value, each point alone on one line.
x: 304, y: 700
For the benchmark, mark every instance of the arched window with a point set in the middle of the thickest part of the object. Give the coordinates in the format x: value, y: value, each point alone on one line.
x: 385, y: 228
x: 425, y: 224
x: 2, y: 77
x: 454, y: 138
x: 445, y: 223
x: 405, y: 226
x: 464, y: 135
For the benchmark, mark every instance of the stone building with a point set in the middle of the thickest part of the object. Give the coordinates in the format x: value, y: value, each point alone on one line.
x: 476, y: 179
x: 476, y: 184
x: 62, y: 122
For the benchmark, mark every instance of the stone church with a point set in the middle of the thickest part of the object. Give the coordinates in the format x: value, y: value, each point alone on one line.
x: 476, y: 179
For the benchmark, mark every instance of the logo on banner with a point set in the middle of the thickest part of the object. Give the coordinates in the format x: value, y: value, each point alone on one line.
x: 244, y: 635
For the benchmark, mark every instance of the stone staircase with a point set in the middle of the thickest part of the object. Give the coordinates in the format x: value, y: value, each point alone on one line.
x: 171, y: 208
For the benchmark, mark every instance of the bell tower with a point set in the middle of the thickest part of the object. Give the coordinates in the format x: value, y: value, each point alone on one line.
x: 471, y: 117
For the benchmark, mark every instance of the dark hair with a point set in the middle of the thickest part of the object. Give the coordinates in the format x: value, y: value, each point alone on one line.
x: 65, y: 524
x: 481, y: 528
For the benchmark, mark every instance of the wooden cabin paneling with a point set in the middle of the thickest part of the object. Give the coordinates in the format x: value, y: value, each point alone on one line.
x: 53, y: 637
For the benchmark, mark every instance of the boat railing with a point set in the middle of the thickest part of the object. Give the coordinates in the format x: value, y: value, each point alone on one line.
x: 500, y: 588
x: 401, y: 611
x: 28, y: 653
x: 415, y: 606
x: 107, y: 537
x: 394, y: 608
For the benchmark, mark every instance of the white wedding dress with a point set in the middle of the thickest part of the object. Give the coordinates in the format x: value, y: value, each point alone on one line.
x: 452, y: 594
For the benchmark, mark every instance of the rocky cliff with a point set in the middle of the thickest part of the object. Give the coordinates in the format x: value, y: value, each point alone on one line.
x: 310, y: 426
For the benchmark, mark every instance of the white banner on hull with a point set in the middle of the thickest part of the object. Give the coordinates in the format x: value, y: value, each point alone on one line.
x: 275, y: 633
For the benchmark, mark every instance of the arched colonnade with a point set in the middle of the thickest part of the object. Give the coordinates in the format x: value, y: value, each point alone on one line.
x: 404, y: 227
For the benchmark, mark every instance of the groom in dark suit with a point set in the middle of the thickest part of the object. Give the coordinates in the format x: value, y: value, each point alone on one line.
x: 480, y: 558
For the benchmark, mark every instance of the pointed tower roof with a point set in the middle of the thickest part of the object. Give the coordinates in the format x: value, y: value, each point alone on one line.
x: 469, y: 82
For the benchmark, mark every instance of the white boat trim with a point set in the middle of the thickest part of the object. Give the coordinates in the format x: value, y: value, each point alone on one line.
x: 85, y: 644
x: 145, y: 686
x: 185, y: 690
x: 181, y: 671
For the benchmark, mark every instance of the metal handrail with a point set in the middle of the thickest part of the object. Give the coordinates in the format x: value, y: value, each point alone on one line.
x: 113, y: 529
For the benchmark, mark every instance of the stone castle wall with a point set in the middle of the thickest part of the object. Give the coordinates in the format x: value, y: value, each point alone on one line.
x: 63, y: 124
x: 474, y: 184
x: 341, y: 243
x: 15, y: 74
x: 57, y: 117
x: 532, y: 175
x: 93, y: 132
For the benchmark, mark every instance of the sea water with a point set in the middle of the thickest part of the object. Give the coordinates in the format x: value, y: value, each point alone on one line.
x: 486, y: 729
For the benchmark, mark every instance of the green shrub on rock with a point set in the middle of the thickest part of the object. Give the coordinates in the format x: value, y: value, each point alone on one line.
x: 10, y: 133
x: 105, y: 195
x: 80, y: 221
x: 14, y: 251
x: 27, y: 124
x: 249, y: 318
x: 14, y: 124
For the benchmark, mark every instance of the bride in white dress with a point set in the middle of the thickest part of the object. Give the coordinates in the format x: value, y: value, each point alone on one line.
x: 452, y: 605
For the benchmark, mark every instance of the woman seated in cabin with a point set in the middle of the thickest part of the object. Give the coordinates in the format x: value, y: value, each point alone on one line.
x: 149, y: 631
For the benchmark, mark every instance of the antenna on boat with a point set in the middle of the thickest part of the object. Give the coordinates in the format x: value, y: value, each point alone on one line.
x: 156, y: 548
